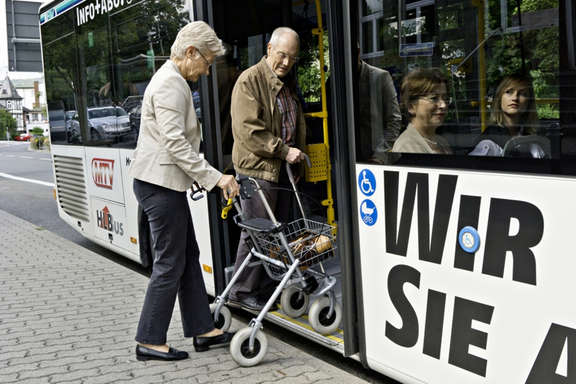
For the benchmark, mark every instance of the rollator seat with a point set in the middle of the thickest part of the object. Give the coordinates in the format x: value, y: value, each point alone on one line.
x: 259, y: 224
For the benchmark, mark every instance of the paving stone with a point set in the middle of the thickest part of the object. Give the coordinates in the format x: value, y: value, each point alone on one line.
x: 70, y: 315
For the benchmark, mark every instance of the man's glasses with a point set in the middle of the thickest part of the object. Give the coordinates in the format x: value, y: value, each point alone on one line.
x: 435, y: 99
x: 283, y: 56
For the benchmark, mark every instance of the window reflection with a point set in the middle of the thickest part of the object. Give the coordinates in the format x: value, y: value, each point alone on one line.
x: 61, y: 76
x: 477, y: 46
x: 109, y: 61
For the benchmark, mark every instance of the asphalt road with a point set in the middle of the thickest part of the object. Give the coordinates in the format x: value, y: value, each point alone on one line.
x: 26, y: 191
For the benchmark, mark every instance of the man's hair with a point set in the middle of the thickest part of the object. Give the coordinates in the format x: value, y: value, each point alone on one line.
x: 199, y: 35
x: 418, y: 83
x: 529, y: 117
x: 281, y: 31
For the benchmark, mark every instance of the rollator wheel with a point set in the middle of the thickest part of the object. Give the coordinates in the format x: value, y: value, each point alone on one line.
x: 294, y: 301
x: 318, y: 316
x: 224, y: 318
x: 240, y: 351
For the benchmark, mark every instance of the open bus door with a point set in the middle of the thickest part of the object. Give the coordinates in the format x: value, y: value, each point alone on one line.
x: 246, y: 43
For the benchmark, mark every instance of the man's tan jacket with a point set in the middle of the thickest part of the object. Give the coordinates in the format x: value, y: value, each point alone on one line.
x: 170, y: 135
x: 258, y: 149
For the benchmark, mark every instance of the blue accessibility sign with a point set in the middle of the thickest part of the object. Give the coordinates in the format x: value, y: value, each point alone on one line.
x: 469, y: 239
x: 367, y: 182
x: 368, y: 212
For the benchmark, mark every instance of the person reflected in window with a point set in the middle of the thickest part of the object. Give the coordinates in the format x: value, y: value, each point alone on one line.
x: 425, y: 100
x: 379, y: 120
x: 513, y: 110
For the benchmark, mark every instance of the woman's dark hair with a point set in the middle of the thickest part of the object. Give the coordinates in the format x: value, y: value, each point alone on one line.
x: 417, y: 83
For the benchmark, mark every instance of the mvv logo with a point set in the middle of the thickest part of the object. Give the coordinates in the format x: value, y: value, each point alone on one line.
x: 103, y: 172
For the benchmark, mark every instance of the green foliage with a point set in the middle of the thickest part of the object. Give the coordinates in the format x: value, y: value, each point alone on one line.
x: 39, y: 142
x: 7, y: 123
x: 37, y: 131
x: 535, y: 5
x: 309, y: 74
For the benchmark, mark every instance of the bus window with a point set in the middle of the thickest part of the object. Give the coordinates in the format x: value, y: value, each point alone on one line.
x: 60, y: 71
x: 499, y: 65
x: 93, y: 51
x: 140, y: 44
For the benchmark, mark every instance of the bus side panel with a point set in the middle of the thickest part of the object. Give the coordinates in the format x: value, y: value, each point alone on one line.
x: 198, y: 210
x: 201, y: 218
x: 106, y: 185
x: 467, y: 275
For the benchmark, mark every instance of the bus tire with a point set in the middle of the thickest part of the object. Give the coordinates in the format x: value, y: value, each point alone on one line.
x: 224, y: 318
x: 294, y: 301
x: 318, y: 316
x: 239, y: 347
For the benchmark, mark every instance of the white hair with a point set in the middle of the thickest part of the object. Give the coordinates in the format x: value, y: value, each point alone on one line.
x: 280, y: 32
x: 199, y: 35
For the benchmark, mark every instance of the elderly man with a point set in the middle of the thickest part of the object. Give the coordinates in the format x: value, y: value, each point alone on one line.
x: 269, y: 131
x: 166, y: 163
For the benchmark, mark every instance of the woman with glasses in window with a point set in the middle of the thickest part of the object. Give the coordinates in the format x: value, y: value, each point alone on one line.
x: 425, y: 100
x: 513, y: 114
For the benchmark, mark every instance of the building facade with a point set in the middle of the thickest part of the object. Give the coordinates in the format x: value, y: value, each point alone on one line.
x: 21, y: 63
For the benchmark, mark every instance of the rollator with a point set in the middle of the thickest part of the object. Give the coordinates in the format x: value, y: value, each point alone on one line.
x: 292, y: 254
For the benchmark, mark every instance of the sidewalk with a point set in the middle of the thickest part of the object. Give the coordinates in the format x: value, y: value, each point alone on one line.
x: 69, y: 315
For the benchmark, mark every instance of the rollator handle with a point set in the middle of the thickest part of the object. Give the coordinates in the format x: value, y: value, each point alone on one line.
x: 293, y: 183
x: 197, y: 192
x: 289, y: 170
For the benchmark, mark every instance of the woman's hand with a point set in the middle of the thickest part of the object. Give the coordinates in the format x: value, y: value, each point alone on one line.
x: 229, y: 186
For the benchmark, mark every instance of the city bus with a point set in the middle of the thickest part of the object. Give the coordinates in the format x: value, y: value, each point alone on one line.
x: 452, y: 267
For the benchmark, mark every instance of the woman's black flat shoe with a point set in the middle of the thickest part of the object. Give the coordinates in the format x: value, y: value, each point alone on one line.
x: 143, y: 354
x: 201, y: 344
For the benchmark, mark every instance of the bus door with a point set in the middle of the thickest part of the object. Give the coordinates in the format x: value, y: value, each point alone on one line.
x: 463, y: 218
x: 245, y: 29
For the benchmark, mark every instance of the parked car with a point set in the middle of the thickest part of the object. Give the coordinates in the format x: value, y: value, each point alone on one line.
x: 22, y: 137
x: 104, y: 123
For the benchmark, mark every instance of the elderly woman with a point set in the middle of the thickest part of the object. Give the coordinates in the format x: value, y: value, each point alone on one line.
x: 166, y: 163
x: 425, y: 100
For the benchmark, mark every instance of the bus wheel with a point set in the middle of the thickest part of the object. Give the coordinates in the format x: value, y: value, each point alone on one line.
x: 294, y: 302
x: 224, y: 318
x: 240, y: 350
x: 319, y: 319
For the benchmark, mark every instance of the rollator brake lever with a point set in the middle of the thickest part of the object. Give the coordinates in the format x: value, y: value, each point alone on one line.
x: 227, y: 207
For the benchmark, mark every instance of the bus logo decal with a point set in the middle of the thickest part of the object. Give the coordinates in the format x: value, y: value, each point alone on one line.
x: 103, y: 172
x: 106, y: 221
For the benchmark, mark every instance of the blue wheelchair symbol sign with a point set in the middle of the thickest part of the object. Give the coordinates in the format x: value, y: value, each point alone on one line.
x: 367, y: 182
x: 469, y: 239
x: 368, y: 212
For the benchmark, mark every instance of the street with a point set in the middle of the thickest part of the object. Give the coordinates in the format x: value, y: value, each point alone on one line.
x: 26, y: 191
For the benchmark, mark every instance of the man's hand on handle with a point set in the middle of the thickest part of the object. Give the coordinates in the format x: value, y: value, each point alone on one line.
x: 294, y: 156
x: 229, y: 186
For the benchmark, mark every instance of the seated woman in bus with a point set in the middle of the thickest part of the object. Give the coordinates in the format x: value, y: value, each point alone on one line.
x: 425, y: 100
x: 513, y: 114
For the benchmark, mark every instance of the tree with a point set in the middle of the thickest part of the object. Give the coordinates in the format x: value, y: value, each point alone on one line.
x: 7, y: 123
